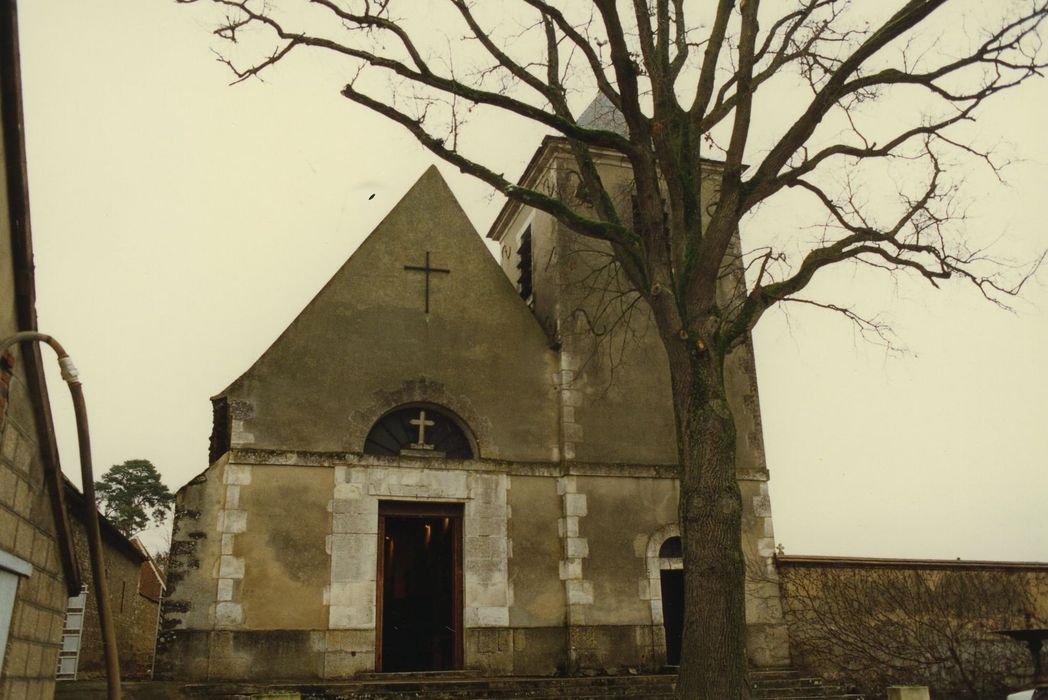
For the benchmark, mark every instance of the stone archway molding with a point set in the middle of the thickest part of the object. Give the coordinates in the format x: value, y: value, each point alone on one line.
x: 652, y: 567
x: 423, y: 391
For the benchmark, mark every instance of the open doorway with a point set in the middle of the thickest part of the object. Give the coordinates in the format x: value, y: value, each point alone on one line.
x: 671, y: 578
x: 419, y: 587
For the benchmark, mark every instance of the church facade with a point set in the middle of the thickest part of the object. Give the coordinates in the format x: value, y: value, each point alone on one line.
x: 451, y: 461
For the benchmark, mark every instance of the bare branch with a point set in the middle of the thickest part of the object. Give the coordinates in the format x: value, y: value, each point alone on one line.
x: 840, y: 84
x: 422, y: 74
x: 870, y: 329
x: 902, y: 21
x: 580, y: 42
x: 596, y: 229
x: 710, y: 58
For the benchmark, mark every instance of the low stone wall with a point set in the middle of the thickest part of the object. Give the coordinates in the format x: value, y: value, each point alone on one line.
x: 875, y: 623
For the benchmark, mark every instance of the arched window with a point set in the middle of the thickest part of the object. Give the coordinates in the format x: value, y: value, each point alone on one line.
x: 420, y: 430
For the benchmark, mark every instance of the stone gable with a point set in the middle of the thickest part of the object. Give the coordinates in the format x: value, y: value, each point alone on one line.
x: 366, y: 344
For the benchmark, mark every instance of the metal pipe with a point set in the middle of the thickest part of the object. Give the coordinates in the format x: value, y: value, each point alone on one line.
x: 94, y: 533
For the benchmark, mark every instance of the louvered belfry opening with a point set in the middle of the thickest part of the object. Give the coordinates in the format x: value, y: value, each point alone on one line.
x: 525, y: 257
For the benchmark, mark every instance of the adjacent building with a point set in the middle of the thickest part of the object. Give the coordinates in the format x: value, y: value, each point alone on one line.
x: 135, y: 586
x: 42, y: 531
x: 38, y: 570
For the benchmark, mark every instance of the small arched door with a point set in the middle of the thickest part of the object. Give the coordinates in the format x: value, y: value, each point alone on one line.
x: 671, y: 579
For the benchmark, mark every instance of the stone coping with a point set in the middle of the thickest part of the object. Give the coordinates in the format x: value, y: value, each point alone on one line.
x: 305, y: 458
x: 830, y: 562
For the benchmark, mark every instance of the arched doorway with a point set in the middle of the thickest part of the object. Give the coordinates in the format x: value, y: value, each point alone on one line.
x: 671, y: 581
x: 419, y: 587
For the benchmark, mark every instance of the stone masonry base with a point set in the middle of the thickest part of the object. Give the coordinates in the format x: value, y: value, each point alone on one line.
x: 341, y: 654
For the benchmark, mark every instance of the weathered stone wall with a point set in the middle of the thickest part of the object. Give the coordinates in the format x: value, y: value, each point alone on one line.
x: 613, y: 376
x: 365, y: 345
x: 537, y: 574
x: 281, y: 580
x: 874, y: 623
x: 27, y: 532
x: 614, y: 391
x: 199, y: 550
x: 134, y: 615
x: 280, y: 521
x: 616, y: 628
x: 298, y: 557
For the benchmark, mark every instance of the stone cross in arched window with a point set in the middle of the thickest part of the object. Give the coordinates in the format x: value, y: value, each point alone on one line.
x: 421, y: 422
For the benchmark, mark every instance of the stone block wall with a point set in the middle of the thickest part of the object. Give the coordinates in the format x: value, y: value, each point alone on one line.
x: 234, y: 532
x: 27, y: 531
x: 274, y: 565
x: 134, y: 615
x: 184, y: 641
x: 29, y: 546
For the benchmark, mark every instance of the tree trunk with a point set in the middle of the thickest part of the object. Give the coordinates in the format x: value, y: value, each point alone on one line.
x: 713, y: 656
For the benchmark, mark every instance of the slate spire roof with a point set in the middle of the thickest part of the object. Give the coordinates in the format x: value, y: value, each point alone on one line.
x: 602, y: 114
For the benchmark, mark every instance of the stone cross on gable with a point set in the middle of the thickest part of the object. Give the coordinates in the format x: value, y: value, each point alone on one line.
x: 427, y: 270
x: 422, y: 424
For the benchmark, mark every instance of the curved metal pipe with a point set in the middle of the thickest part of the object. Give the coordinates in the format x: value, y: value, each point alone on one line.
x: 94, y: 532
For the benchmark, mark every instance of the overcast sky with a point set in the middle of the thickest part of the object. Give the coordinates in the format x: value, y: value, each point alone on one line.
x: 180, y: 224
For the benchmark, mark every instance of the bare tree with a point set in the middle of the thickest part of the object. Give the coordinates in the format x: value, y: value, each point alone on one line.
x: 882, y: 626
x: 685, y: 77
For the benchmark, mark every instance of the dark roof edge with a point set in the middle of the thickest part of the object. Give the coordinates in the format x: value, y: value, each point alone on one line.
x: 78, y: 507
x: 791, y: 560
x: 25, y: 289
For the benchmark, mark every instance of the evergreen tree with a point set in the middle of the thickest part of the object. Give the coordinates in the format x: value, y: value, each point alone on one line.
x: 131, y: 495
